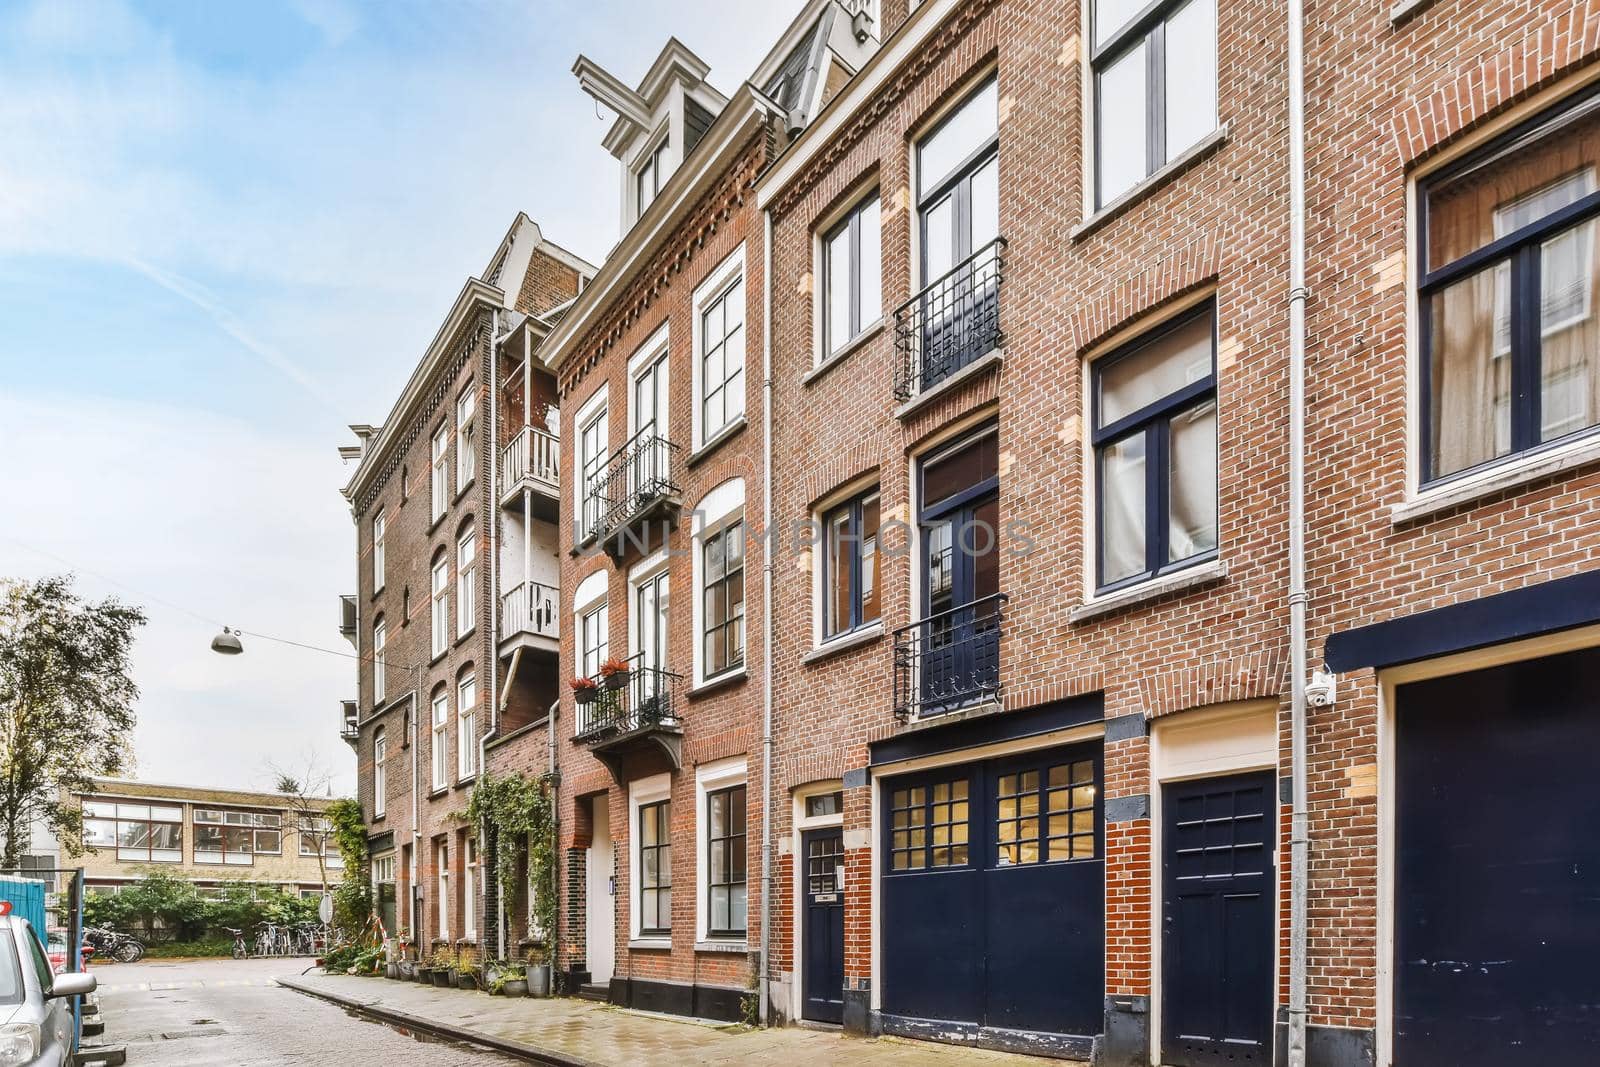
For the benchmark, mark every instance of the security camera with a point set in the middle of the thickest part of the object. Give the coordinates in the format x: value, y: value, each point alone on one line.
x: 1322, y: 690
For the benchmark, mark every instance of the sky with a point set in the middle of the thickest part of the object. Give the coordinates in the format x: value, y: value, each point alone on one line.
x: 228, y: 230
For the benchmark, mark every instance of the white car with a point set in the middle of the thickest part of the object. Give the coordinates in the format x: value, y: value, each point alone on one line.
x: 35, y: 1002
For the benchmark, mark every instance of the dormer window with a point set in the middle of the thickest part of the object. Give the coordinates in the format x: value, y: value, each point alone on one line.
x: 652, y: 174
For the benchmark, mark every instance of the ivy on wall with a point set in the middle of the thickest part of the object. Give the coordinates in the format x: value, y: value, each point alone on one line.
x: 512, y: 808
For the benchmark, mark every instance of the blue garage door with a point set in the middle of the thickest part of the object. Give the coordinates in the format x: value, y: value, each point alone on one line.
x: 993, y: 887
x: 1497, y: 889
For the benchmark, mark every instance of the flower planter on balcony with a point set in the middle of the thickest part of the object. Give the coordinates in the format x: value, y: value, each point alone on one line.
x: 616, y: 681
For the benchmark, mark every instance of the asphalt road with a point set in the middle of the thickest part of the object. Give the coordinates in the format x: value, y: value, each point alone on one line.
x: 230, y: 1013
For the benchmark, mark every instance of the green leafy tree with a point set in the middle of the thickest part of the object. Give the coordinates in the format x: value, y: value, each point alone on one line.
x: 66, y: 705
x: 352, y: 900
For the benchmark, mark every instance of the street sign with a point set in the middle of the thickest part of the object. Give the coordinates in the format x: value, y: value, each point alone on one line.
x: 325, y: 909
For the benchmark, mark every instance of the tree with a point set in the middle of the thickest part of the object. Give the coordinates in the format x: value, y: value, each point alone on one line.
x: 305, y: 790
x: 66, y: 705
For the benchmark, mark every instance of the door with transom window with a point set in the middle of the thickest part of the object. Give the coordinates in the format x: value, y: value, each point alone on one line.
x: 993, y: 893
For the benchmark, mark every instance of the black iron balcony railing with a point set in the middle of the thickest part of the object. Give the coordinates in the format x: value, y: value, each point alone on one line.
x: 950, y: 324
x: 634, y: 479
x: 950, y: 660
x: 647, y: 698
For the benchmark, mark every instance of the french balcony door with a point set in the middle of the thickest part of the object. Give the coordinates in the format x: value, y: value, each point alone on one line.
x: 651, y: 600
x: 648, y: 462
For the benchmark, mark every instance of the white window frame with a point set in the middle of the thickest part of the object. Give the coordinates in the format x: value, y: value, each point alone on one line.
x: 657, y: 150
x: 712, y: 778
x: 467, y: 727
x: 658, y: 349
x: 467, y: 582
x: 379, y: 526
x: 715, y: 286
x: 439, y: 607
x: 441, y: 740
x: 466, y: 438
x: 380, y: 660
x: 641, y: 792
x: 642, y: 573
x: 717, y: 510
x: 595, y: 409
x: 380, y: 773
x: 439, y: 474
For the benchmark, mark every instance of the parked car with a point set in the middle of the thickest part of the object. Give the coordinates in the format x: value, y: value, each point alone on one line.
x: 35, y: 1002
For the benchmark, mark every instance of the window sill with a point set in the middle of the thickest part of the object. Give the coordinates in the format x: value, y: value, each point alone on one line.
x: 1509, y: 475
x: 716, y: 440
x: 834, y: 646
x: 461, y: 493
x: 436, y: 521
x: 731, y: 947
x: 462, y: 639
x: 437, y: 793
x: 376, y: 593
x: 850, y: 348
x: 721, y: 681
x: 438, y: 657
x: 982, y: 365
x: 462, y: 783
x: 1122, y: 203
x: 1177, y: 582
x: 650, y: 944
x: 1405, y: 9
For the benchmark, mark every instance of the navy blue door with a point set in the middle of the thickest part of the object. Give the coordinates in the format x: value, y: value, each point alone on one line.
x: 993, y: 893
x: 1497, y: 880
x: 1217, y: 921
x: 823, y: 925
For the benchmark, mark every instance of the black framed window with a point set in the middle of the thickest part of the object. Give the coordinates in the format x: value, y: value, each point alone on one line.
x: 1155, y: 441
x: 1507, y: 294
x: 725, y: 859
x: 850, y: 565
x: 929, y: 825
x: 724, y: 599
x: 1155, y: 86
x: 1046, y: 815
x: 722, y: 364
x: 852, y: 283
x: 655, y: 867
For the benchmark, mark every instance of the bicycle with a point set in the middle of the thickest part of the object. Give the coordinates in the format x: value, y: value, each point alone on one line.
x: 241, y: 950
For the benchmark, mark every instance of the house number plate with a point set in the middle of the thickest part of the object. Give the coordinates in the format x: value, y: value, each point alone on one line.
x: 826, y: 898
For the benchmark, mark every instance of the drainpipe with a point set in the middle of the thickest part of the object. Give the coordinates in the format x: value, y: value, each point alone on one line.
x: 1299, y: 831
x: 766, y: 615
x: 493, y: 525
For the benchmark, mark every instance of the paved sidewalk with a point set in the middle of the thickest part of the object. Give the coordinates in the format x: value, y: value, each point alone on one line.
x: 573, y: 1032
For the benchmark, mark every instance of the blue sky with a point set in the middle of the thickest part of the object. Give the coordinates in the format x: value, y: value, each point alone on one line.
x: 228, y: 230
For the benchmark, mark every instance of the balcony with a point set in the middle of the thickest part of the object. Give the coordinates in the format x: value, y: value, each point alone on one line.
x: 640, y: 482
x: 531, y: 609
x: 640, y: 718
x: 349, y: 617
x: 530, y: 463
x: 949, y: 661
x: 951, y: 324
x: 349, y: 717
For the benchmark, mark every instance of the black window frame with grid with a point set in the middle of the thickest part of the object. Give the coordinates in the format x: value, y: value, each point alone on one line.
x: 715, y: 583
x: 661, y: 812
x: 732, y: 874
x: 1519, y: 251
x: 927, y: 811
x: 1153, y: 422
x: 1013, y: 784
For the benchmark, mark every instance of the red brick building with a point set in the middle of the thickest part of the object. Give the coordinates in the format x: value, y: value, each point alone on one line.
x: 995, y: 301
x: 454, y: 500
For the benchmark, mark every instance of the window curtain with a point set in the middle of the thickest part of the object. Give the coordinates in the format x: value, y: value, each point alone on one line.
x: 1192, y: 510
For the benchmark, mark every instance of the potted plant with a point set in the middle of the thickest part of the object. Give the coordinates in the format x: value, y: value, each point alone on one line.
x: 510, y: 980
x: 443, y: 969
x: 538, y: 971
x: 466, y: 974
x: 584, y: 690
x: 614, y: 672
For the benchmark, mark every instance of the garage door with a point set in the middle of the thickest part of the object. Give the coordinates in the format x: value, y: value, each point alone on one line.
x: 993, y: 893
x: 1497, y: 922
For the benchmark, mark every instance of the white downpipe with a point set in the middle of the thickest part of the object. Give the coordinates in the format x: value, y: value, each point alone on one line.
x: 494, y: 527
x: 1299, y: 831
x: 768, y: 552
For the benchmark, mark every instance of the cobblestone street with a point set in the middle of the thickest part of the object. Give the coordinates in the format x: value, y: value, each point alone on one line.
x: 228, y: 1013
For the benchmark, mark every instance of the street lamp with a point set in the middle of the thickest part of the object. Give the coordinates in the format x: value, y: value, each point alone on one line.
x: 227, y: 643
